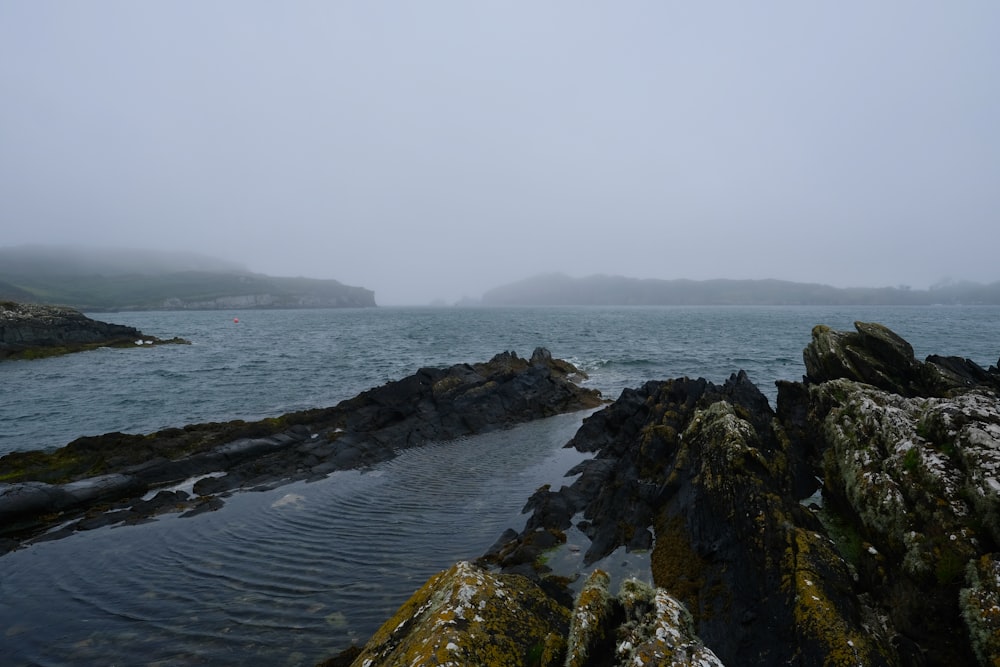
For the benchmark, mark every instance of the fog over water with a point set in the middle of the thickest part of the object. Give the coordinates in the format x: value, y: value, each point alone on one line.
x: 435, y: 150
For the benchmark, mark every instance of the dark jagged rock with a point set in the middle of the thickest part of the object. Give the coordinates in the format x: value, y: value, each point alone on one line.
x: 433, y: 404
x: 911, y: 482
x: 29, y: 331
x: 707, y: 470
x: 875, y: 355
x: 896, y: 565
x: 634, y: 439
x: 912, y: 490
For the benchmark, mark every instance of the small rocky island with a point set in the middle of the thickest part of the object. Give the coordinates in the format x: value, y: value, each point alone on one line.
x: 32, y: 331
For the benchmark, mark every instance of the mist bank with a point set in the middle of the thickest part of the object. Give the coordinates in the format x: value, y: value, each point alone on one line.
x: 102, y: 280
x: 602, y: 290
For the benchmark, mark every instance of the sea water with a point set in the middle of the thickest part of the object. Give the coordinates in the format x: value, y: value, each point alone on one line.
x: 290, y: 576
x: 275, y: 361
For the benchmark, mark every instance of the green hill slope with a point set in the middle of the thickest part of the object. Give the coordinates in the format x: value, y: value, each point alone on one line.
x: 113, y: 280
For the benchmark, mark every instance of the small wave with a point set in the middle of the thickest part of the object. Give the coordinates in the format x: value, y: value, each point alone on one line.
x: 589, y: 365
x: 170, y: 374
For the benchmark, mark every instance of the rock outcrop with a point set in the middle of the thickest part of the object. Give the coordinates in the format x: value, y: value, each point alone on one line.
x: 98, y: 480
x: 859, y: 524
x: 910, y: 463
x: 470, y: 616
x: 875, y: 355
x: 467, y: 616
x: 29, y: 331
x: 708, y: 471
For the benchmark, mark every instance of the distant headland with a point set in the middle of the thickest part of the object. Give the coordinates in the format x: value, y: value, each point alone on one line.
x: 103, y: 280
x: 601, y: 290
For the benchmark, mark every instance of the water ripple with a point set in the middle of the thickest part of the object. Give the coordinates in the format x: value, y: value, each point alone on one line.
x: 305, y: 569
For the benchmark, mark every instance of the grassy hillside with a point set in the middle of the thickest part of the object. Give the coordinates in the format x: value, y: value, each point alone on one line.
x: 106, y: 281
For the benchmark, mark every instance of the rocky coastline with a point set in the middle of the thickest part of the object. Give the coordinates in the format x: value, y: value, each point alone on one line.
x: 32, y: 331
x: 856, y: 524
x: 125, y: 478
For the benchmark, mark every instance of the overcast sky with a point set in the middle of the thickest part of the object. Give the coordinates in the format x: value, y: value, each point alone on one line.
x: 437, y: 149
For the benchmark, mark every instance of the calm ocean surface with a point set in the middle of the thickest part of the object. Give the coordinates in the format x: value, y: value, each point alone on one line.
x: 290, y: 576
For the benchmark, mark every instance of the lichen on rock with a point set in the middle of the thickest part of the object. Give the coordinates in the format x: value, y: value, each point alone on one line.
x: 468, y: 616
x: 591, y: 631
x: 658, y: 630
x: 980, y: 603
x: 920, y: 473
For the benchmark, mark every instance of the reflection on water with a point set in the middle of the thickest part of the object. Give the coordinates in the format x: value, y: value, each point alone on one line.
x: 285, y: 577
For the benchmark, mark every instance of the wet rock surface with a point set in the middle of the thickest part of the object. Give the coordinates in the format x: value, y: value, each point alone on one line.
x: 96, y: 480
x: 29, y: 331
x: 856, y: 524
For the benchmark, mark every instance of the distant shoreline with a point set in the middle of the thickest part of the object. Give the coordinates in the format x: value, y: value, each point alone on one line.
x: 562, y: 290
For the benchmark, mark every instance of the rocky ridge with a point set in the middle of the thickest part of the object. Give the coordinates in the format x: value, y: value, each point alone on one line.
x: 856, y: 524
x: 117, y: 477
x: 29, y: 331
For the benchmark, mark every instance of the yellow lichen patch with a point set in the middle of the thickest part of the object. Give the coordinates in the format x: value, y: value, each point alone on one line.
x: 468, y: 616
x: 676, y: 566
x: 589, y: 624
x: 817, y: 618
x: 483, y: 389
x: 444, y: 385
x: 664, y: 432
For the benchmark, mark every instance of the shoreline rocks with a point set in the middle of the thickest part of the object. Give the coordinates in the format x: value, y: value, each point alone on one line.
x: 858, y: 523
x: 95, y: 481
x: 32, y: 331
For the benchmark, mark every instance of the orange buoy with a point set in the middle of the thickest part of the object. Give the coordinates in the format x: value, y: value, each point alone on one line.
x: 236, y: 320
